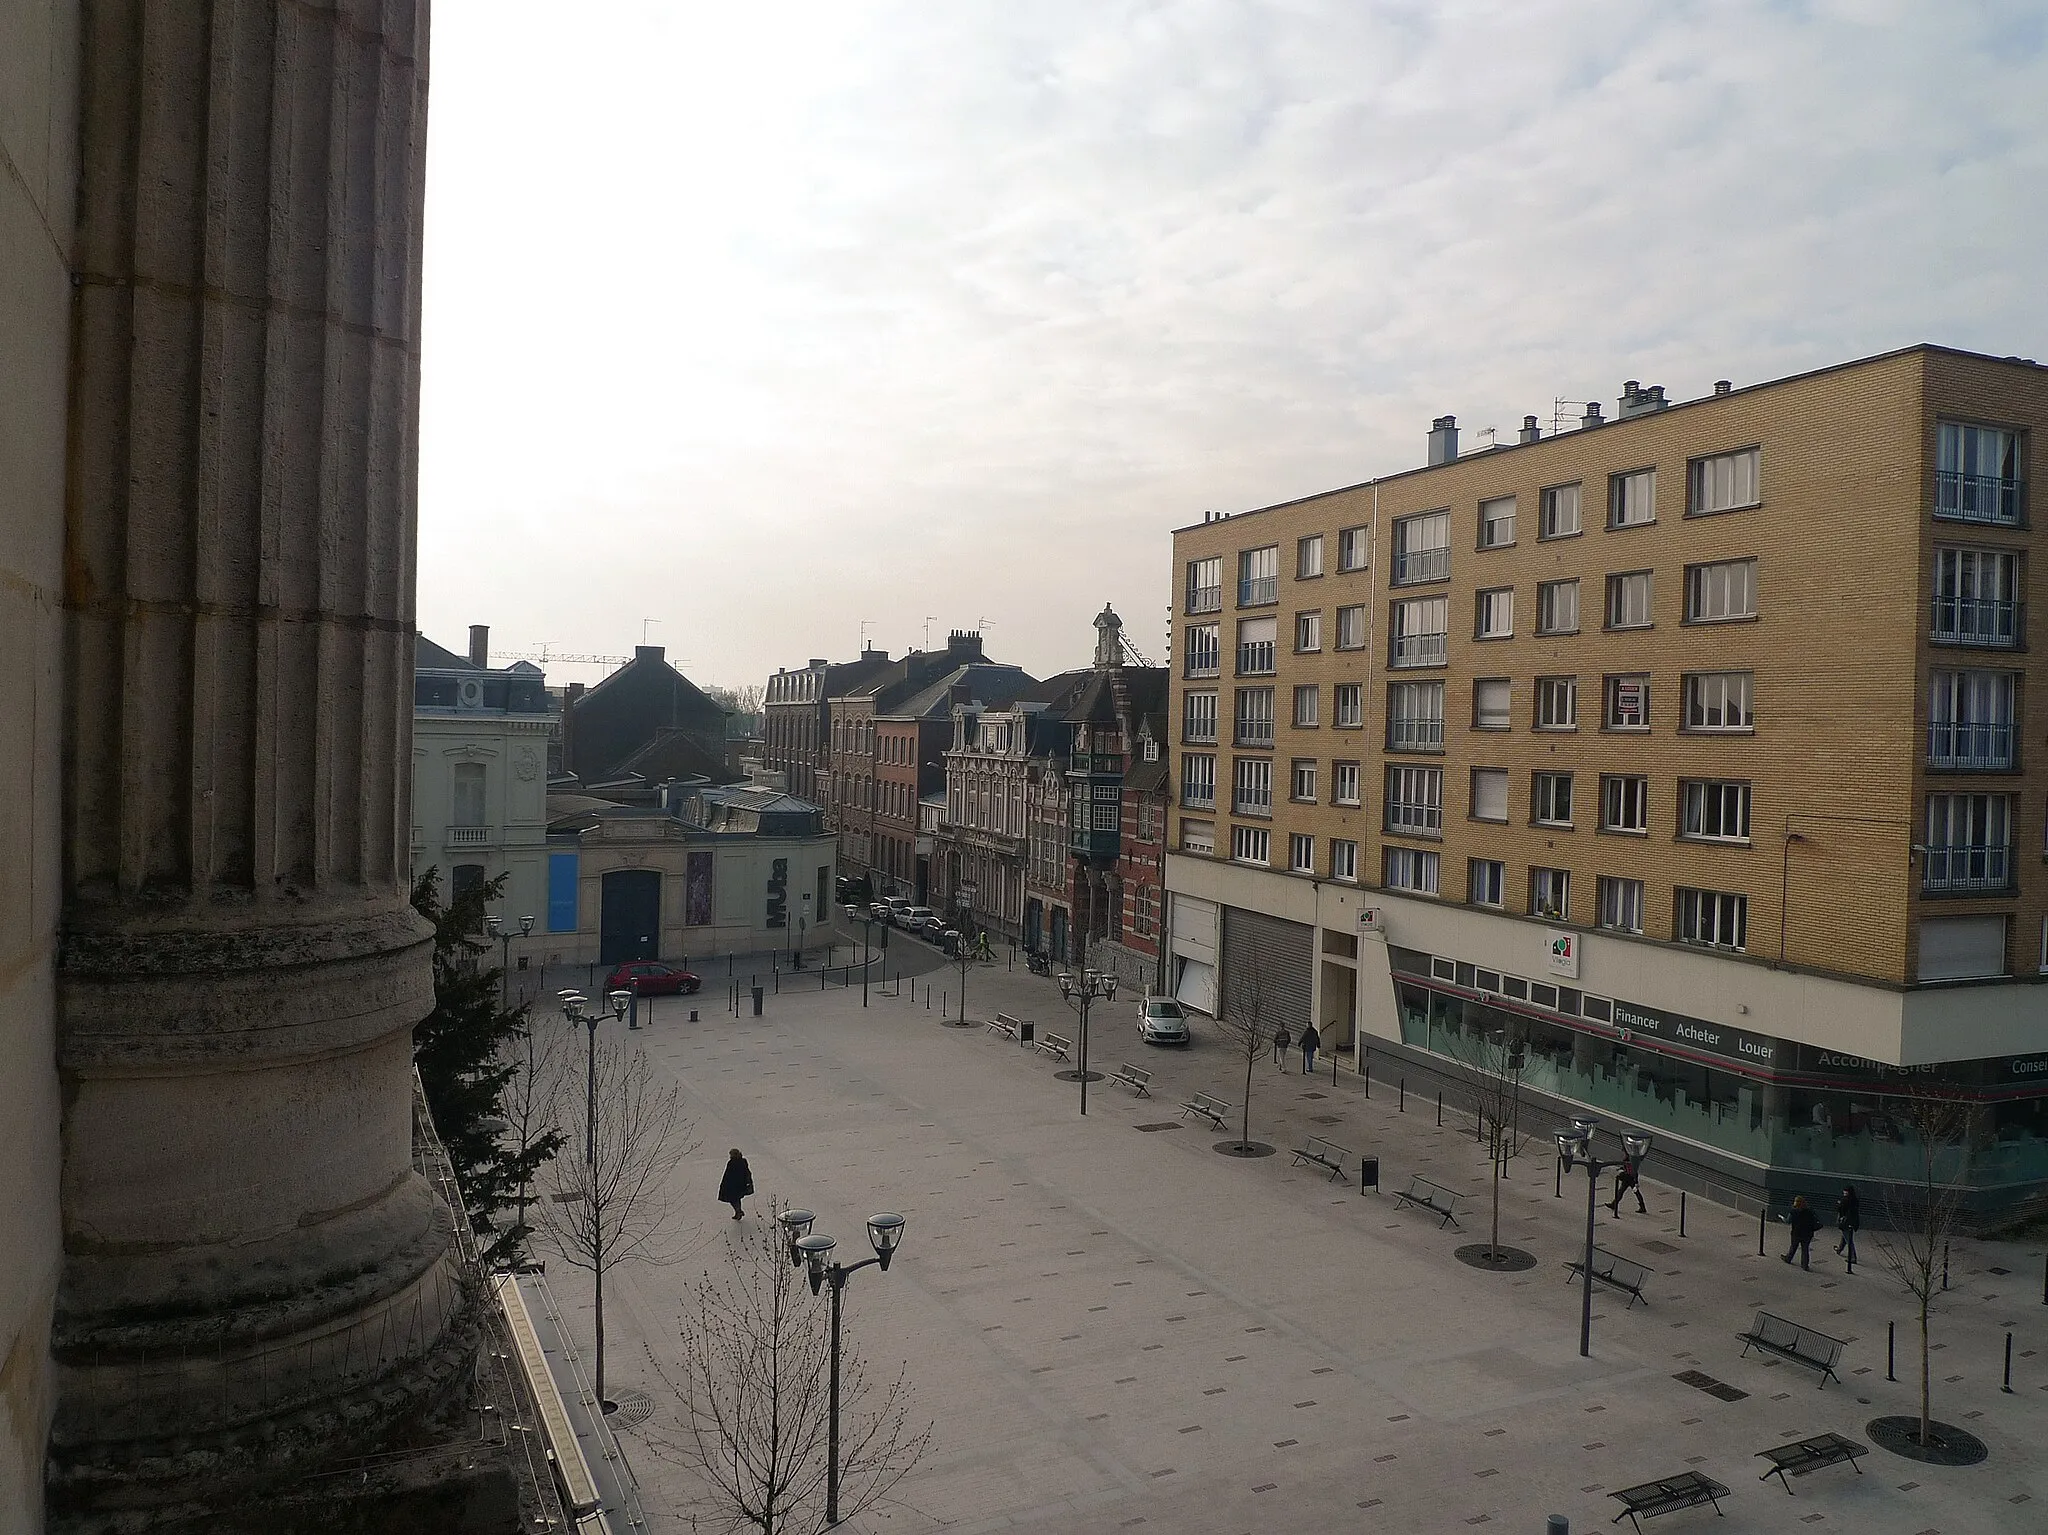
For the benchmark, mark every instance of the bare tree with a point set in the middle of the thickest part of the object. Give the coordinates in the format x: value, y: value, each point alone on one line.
x: 533, y: 1107
x: 1494, y: 1059
x: 751, y: 1386
x: 1246, y: 1028
x: 617, y: 1203
x: 1922, y: 1215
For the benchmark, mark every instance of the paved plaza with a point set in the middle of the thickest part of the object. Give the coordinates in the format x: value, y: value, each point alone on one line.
x: 1114, y: 1327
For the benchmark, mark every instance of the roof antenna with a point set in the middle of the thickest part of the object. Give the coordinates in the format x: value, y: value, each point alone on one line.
x: 928, y: 629
x: 643, y: 628
x: 865, y: 625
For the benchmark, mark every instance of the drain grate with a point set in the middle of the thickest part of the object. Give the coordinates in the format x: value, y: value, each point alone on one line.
x: 1315, y: 1095
x: 1655, y: 1246
x: 1702, y: 1381
x: 634, y: 1408
x: 1326, y: 1119
x: 1164, y: 1124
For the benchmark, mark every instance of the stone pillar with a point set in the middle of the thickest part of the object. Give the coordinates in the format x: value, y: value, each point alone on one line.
x: 250, y: 1259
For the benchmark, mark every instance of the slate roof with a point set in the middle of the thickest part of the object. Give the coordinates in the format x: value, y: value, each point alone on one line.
x: 429, y: 657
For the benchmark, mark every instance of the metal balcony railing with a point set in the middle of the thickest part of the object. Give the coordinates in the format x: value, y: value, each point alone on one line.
x: 1412, y: 565
x: 1205, y: 666
x: 1205, y: 599
x: 1254, y: 732
x: 1988, y: 621
x: 1199, y: 732
x: 1970, y: 747
x: 1966, y: 868
x: 1415, y: 735
x: 1413, y: 819
x: 1420, y: 649
x: 1255, y: 660
x: 1987, y: 498
x: 1256, y: 591
x: 1252, y: 803
x: 1198, y: 796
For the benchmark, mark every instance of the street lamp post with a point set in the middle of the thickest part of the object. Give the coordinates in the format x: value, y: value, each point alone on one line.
x: 1576, y: 1145
x: 865, y: 916
x: 576, y: 1008
x: 803, y: 922
x: 885, y: 1234
x: 1079, y: 991
x: 498, y: 929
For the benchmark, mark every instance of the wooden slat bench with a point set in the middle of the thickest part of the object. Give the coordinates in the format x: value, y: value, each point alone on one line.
x: 1616, y: 1272
x: 1210, y: 1108
x: 1055, y: 1045
x: 1433, y: 1197
x: 1324, y: 1154
x: 1004, y: 1025
x: 1804, y: 1455
x: 1127, y: 1075
x: 1798, y: 1345
x: 1649, y: 1499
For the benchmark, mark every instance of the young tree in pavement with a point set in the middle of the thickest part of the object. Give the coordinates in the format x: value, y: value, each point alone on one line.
x: 536, y: 1101
x: 1246, y: 1026
x: 465, y: 1052
x: 617, y: 1202
x: 1494, y: 1058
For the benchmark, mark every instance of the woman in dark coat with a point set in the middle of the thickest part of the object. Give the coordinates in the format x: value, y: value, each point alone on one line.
x: 737, y: 1183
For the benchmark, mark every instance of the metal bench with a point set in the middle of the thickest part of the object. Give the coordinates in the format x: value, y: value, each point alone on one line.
x: 1323, y: 1153
x: 1211, y: 1109
x: 1127, y: 1075
x: 1433, y: 1197
x: 1004, y: 1025
x: 1649, y: 1499
x: 1053, y: 1045
x: 1616, y: 1272
x: 1804, y: 1455
x: 1798, y: 1345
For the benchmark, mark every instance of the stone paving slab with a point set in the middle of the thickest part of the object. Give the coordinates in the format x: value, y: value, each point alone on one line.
x: 1114, y: 1329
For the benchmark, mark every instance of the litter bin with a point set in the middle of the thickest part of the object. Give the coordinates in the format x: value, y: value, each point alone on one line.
x: 757, y: 1001
x: 1368, y: 1173
x: 1025, y: 1032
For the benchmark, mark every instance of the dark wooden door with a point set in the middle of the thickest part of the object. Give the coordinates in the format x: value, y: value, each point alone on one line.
x: 629, y: 919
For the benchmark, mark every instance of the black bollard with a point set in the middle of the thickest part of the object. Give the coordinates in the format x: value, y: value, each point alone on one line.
x: 776, y: 971
x: 1891, y: 1341
x: 1944, y: 1264
x: 2007, y: 1387
x: 1401, y: 1103
x: 1557, y: 1183
x: 1762, y: 1215
x: 1439, y: 1111
x: 1681, y: 1212
x: 1368, y: 1081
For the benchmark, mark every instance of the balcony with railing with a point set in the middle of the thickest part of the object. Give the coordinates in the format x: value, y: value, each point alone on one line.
x: 1257, y: 802
x: 1197, y: 796
x: 1205, y: 664
x: 1258, y: 591
x: 1415, y: 565
x: 1990, y: 622
x: 1205, y: 599
x: 1415, y: 735
x: 1255, y: 659
x: 1961, y: 746
x: 1254, y: 733
x: 1967, y: 869
x: 1980, y: 498
x: 1413, y: 818
x: 1420, y: 649
x: 1199, y: 729
x: 469, y: 836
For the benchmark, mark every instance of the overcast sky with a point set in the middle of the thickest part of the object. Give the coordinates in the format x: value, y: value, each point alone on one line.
x: 761, y: 321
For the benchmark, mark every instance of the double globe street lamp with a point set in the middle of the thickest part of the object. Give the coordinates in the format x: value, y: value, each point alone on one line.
x: 501, y: 929
x: 1079, y: 991
x: 1576, y: 1145
x: 885, y: 1234
x: 576, y: 1008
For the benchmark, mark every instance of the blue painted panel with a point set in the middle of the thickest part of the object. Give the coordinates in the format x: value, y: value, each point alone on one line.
x: 562, y: 879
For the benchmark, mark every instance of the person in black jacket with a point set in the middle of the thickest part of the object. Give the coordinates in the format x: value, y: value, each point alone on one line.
x: 737, y: 1183
x: 1311, y: 1042
x: 1804, y: 1224
x: 1625, y: 1179
x: 1848, y: 1216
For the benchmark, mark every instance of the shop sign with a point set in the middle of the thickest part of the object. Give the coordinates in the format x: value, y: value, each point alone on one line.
x: 1756, y: 1050
x: 1561, y: 953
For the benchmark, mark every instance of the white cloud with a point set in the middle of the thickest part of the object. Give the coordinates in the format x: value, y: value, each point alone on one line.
x: 764, y: 321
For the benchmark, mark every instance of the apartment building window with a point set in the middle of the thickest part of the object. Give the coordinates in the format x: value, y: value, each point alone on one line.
x: 1301, y: 853
x: 1256, y: 640
x: 1421, y: 631
x: 1550, y: 894
x: 1557, y: 703
x: 1205, y: 585
x: 1628, y: 600
x: 1307, y: 706
x: 1970, y: 720
x: 1486, y: 882
x: 1422, y: 548
x: 1198, y: 780
x: 1308, y: 557
x: 1205, y: 651
x: 1624, y: 803
x: 1550, y: 799
x: 1721, y: 592
x: 1976, y: 595
x: 1415, y: 716
x: 1718, y: 701
x: 1979, y: 474
x: 1712, y: 919
x: 1628, y: 702
x: 1557, y: 607
x: 1349, y: 704
x: 1713, y: 810
x: 466, y: 796
x: 1351, y: 549
x: 1725, y: 482
x: 1490, y: 794
x: 1258, y: 576
x: 1969, y: 844
x: 1497, y: 522
x: 1302, y: 781
x: 1343, y: 859
x: 1252, y: 786
x: 1198, y: 717
x: 1496, y: 614
x: 1415, y: 801
x: 1632, y: 498
x: 1558, y: 516
x: 1410, y: 868
x: 1351, y: 627
x: 1195, y: 837
x: 1343, y: 783
x: 1621, y: 904
x: 1251, y: 844
x: 1254, y: 717
x: 1492, y: 703
x: 1308, y: 632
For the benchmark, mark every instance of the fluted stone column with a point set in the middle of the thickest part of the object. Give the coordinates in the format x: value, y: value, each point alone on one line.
x: 247, y: 1247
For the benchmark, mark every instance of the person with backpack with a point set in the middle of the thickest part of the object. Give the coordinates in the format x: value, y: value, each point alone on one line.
x: 1848, y: 1216
x: 1311, y: 1042
x: 1804, y: 1224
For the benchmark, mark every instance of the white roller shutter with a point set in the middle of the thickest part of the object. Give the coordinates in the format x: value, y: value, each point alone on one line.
x: 1961, y: 948
x: 1195, y: 986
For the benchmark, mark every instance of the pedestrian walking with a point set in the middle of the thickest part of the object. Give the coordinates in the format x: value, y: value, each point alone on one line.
x: 1311, y: 1042
x: 737, y: 1183
x: 1625, y: 1179
x: 1804, y: 1224
x: 1281, y: 1040
x: 1848, y: 1216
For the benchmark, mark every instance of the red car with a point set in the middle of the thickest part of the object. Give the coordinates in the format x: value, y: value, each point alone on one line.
x: 650, y: 978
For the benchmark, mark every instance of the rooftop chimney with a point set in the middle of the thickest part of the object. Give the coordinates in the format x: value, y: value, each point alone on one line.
x: 1530, y: 430
x: 480, y: 644
x: 647, y: 652
x: 965, y: 644
x: 1638, y: 401
x: 1443, y: 440
x: 1592, y: 417
x: 1722, y: 386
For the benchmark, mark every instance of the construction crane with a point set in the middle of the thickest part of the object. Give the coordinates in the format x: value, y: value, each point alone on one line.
x: 569, y: 658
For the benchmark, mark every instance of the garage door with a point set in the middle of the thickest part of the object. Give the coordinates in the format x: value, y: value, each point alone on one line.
x: 1195, y: 986
x: 1271, y: 955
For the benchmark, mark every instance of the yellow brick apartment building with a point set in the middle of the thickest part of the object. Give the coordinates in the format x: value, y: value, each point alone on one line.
x: 1694, y: 745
